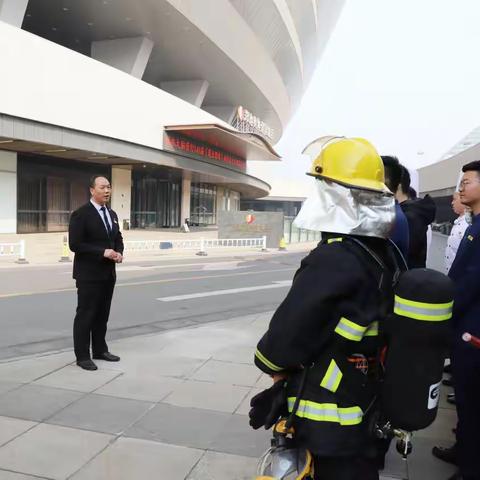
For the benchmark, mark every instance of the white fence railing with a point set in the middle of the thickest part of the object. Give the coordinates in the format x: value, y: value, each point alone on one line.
x: 14, y: 250
x: 201, y: 245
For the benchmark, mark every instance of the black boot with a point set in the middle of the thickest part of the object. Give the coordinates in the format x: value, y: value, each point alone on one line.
x: 448, y: 455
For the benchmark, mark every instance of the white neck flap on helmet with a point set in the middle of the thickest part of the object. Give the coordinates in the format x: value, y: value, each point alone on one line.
x: 339, y: 209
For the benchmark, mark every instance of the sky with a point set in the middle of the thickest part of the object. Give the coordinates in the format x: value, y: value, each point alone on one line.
x: 404, y: 74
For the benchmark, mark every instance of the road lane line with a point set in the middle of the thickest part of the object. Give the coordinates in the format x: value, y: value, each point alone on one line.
x: 153, y: 282
x: 230, y: 291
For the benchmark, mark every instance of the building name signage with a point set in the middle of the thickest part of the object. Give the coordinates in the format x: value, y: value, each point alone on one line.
x: 247, y: 122
x: 179, y: 142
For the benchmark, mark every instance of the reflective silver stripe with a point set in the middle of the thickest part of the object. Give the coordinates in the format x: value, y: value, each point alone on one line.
x: 350, y: 330
x: 332, y: 377
x: 422, y: 310
x: 327, y: 412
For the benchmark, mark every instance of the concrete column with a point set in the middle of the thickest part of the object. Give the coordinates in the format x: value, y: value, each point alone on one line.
x: 8, y: 192
x: 220, y: 207
x: 128, y: 54
x: 13, y: 11
x: 121, y: 191
x: 192, y: 91
x: 224, y: 112
x: 186, y: 191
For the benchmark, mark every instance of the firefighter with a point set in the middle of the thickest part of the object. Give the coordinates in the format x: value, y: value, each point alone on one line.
x: 329, y: 324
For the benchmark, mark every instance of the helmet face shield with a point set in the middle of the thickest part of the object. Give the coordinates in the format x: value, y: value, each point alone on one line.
x: 336, y: 208
x: 283, y: 463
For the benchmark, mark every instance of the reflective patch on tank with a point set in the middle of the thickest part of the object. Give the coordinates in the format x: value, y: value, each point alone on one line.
x: 434, y: 396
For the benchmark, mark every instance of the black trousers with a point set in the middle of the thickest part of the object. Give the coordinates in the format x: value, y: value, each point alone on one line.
x: 346, y: 468
x: 93, y: 309
x: 466, y: 371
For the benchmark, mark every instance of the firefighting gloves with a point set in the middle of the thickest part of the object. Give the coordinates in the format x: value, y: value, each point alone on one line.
x: 268, y: 406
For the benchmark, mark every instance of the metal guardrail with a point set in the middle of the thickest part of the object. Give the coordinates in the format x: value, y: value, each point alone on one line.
x: 14, y: 250
x: 199, y: 244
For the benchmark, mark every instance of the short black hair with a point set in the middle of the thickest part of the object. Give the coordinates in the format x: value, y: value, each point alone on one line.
x: 472, y: 167
x: 405, y: 180
x: 412, y: 193
x: 393, y: 172
x: 93, y: 179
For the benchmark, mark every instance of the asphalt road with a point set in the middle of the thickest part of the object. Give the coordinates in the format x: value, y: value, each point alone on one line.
x: 37, y: 304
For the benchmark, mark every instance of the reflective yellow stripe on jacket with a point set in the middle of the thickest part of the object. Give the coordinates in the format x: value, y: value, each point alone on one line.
x: 326, y: 412
x: 350, y: 330
x: 259, y: 355
x: 332, y: 377
x: 372, y: 330
x: 429, y: 312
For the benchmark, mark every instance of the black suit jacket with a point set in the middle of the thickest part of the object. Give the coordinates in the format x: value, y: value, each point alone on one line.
x: 89, y: 239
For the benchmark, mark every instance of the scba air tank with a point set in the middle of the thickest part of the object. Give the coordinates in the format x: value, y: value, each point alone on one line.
x: 418, y: 335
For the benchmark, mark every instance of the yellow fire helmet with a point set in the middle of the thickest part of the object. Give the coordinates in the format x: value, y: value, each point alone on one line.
x: 352, y: 162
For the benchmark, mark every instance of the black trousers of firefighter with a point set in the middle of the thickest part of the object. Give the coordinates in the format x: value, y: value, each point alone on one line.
x: 346, y: 468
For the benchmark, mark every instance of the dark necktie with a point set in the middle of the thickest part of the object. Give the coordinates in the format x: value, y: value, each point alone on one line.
x: 107, y: 224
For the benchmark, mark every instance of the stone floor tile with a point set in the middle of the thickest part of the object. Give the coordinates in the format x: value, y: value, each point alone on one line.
x: 244, y: 407
x: 149, y: 389
x: 189, y: 427
x: 228, y: 373
x: 217, y: 466
x: 72, y: 377
x: 8, y: 386
x: 12, y: 427
x: 101, y: 413
x: 35, y: 402
x: 129, y: 459
x: 422, y: 465
x: 441, y: 427
x: 238, y: 438
x: 30, y: 369
x: 265, y: 381
x: 236, y: 354
x: 51, y: 451
x: 210, y: 396
x: 4, y: 475
x: 157, y: 365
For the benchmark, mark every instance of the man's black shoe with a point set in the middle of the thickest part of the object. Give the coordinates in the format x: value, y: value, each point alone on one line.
x: 107, y: 356
x: 87, y: 364
x: 448, y: 455
x: 448, y: 368
x: 456, y: 476
x: 451, y: 399
x: 448, y: 382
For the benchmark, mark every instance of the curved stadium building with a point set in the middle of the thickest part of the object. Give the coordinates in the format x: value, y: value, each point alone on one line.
x: 169, y: 98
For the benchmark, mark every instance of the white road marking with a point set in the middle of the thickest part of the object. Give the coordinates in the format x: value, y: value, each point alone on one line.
x: 230, y: 291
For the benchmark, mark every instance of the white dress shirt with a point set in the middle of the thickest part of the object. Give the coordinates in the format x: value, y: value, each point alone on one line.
x: 107, y: 213
x: 456, y: 235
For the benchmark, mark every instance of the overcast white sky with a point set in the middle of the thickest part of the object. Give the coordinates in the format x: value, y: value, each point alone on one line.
x: 405, y: 74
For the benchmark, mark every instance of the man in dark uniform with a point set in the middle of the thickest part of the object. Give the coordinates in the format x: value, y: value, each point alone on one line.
x: 465, y: 272
x: 330, y: 317
x: 95, y: 237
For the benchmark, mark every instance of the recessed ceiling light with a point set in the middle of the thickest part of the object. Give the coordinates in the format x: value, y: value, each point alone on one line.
x: 98, y: 157
x: 56, y: 150
x: 65, y: 9
x: 148, y: 33
x: 28, y: 15
x: 128, y: 19
x: 7, y: 141
x: 90, y: 24
x: 54, y: 29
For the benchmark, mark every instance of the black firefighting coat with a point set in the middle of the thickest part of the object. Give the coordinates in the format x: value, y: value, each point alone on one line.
x: 333, y: 312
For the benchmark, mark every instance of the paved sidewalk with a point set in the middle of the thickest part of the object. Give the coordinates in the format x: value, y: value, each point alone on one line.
x: 174, y: 408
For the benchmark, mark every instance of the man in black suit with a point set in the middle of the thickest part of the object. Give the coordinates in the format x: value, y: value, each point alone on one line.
x: 95, y: 237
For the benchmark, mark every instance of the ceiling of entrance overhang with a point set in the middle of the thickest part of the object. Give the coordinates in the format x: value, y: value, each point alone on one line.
x: 181, y: 51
